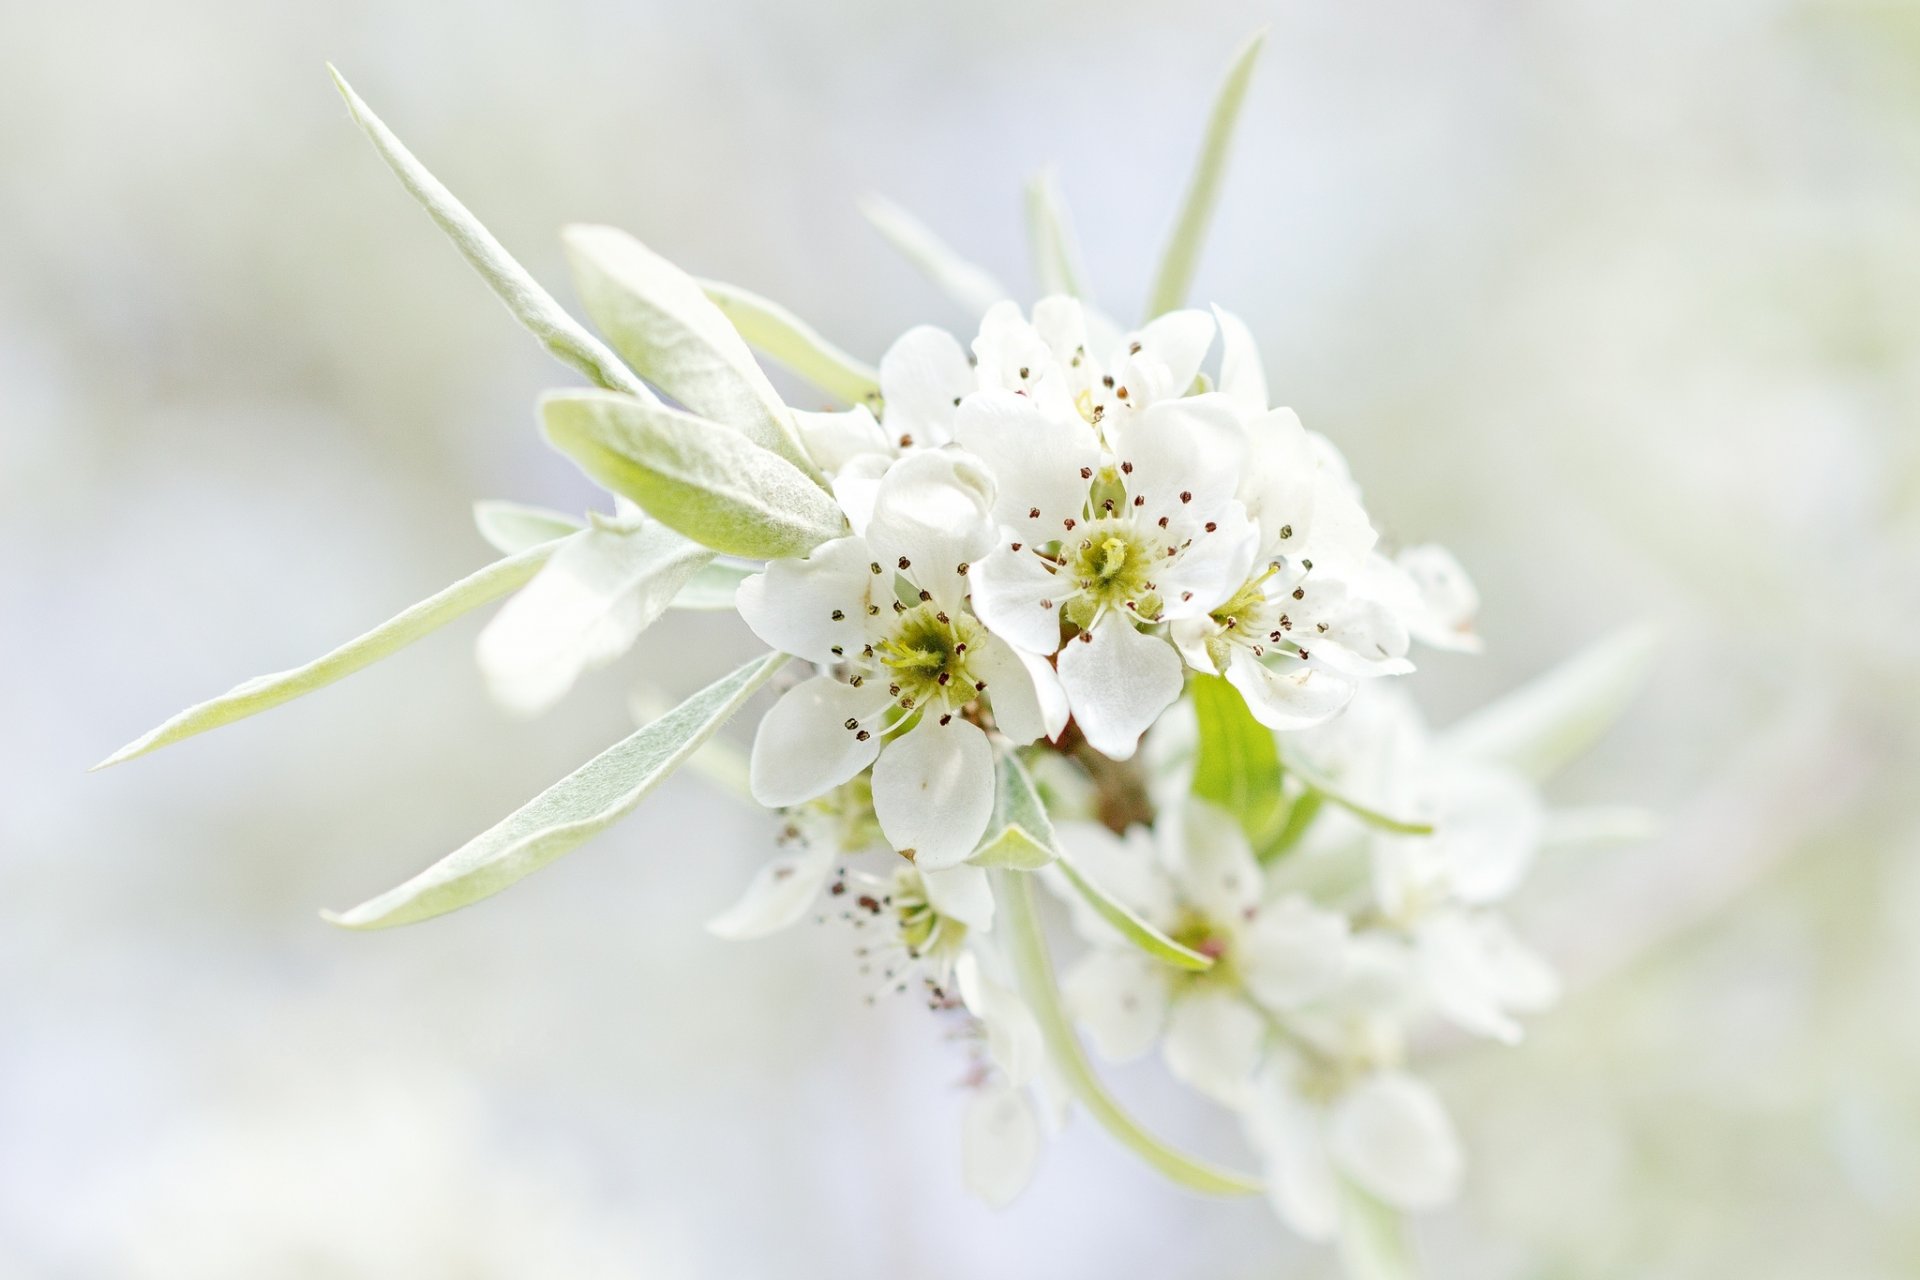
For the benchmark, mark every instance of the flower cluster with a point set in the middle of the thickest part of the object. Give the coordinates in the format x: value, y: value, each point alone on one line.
x: 1066, y: 606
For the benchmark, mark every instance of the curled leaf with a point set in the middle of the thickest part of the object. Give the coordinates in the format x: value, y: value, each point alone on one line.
x: 786, y: 339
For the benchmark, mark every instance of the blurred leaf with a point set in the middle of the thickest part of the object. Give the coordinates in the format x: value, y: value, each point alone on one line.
x: 1311, y: 778
x: 1056, y: 251
x: 1373, y: 1244
x: 1300, y: 815
x: 584, y: 609
x: 263, y: 692
x: 1033, y: 969
x: 713, y: 588
x: 531, y: 305
x: 1135, y: 930
x: 969, y: 286
x: 1020, y: 834
x: 658, y: 318
x: 1237, y: 763
x: 785, y: 338
x: 568, y: 813
x: 1541, y: 727
x: 1174, y: 281
x: 695, y: 476
x: 509, y: 527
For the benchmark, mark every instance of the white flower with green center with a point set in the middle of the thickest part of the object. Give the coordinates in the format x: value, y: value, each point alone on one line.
x: 910, y: 675
x: 1195, y: 879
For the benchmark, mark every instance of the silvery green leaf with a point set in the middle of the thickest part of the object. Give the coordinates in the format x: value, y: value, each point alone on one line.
x: 1033, y: 970
x: 713, y: 588
x: 786, y: 339
x: 1019, y: 835
x: 1237, y: 764
x: 531, y: 305
x: 1539, y: 728
x: 1056, y: 251
x: 720, y: 762
x: 1181, y: 257
x: 709, y: 483
x: 969, y: 286
x: 601, y: 589
x: 659, y: 319
x: 1131, y: 927
x: 568, y: 813
x: 1373, y: 1242
x: 262, y: 692
x: 512, y: 526
x: 1304, y: 773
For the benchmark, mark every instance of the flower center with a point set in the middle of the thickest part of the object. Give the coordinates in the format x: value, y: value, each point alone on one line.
x: 1197, y: 933
x: 1111, y: 565
x: 926, y: 656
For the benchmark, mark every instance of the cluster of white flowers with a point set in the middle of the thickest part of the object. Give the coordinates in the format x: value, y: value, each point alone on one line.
x: 1081, y: 608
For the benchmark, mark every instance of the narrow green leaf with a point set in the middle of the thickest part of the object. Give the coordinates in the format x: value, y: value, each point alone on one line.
x: 1033, y: 969
x: 659, y: 319
x: 1544, y: 725
x: 969, y: 286
x: 1300, y: 815
x: 531, y: 305
x: 1237, y: 765
x: 1373, y: 1238
x: 262, y: 692
x: 713, y: 588
x: 1181, y: 257
x: 568, y: 813
x: 1056, y: 251
x: 1131, y: 927
x: 510, y: 527
x: 1020, y: 835
x: 786, y: 339
x: 1304, y: 773
x: 709, y: 483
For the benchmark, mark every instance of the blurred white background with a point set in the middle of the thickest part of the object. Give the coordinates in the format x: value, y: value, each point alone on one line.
x: 1615, y: 297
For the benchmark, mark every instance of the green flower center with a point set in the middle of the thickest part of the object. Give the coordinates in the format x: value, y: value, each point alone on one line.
x: 926, y: 656
x: 1112, y: 566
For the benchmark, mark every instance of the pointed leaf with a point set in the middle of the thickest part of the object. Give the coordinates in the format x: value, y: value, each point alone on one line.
x: 658, y: 318
x: 1033, y: 969
x: 969, y: 286
x: 1182, y: 254
x: 1019, y: 835
x: 263, y: 692
x: 1056, y: 252
x: 786, y: 339
x: 1237, y: 765
x: 713, y: 588
x: 713, y: 485
x: 568, y: 813
x: 1541, y: 727
x: 1304, y: 773
x: 1131, y: 927
x: 583, y: 610
x: 510, y: 527
x: 531, y: 305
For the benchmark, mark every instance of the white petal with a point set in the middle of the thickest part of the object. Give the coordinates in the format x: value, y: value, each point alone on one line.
x: 856, y: 485
x: 1477, y: 971
x: 1013, y: 1037
x: 803, y: 747
x: 1025, y: 693
x: 1120, y: 998
x: 1491, y: 825
x: 1061, y: 323
x: 1390, y: 1134
x: 1036, y: 458
x: 961, y: 892
x: 1292, y: 953
x: 1171, y: 348
x: 585, y: 607
x: 1211, y: 863
x: 1340, y: 536
x: 1242, y: 379
x: 1128, y: 868
x: 999, y: 1144
x: 834, y: 440
x: 923, y: 375
x: 1186, y: 457
x: 1118, y: 681
x: 1296, y: 697
x: 930, y: 516
x: 1432, y: 593
x: 1290, y: 1132
x: 1214, y: 1042
x: 778, y: 896
x: 1014, y: 594
x: 791, y: 605
x: 1206, y: 573
x: 933, y: 791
